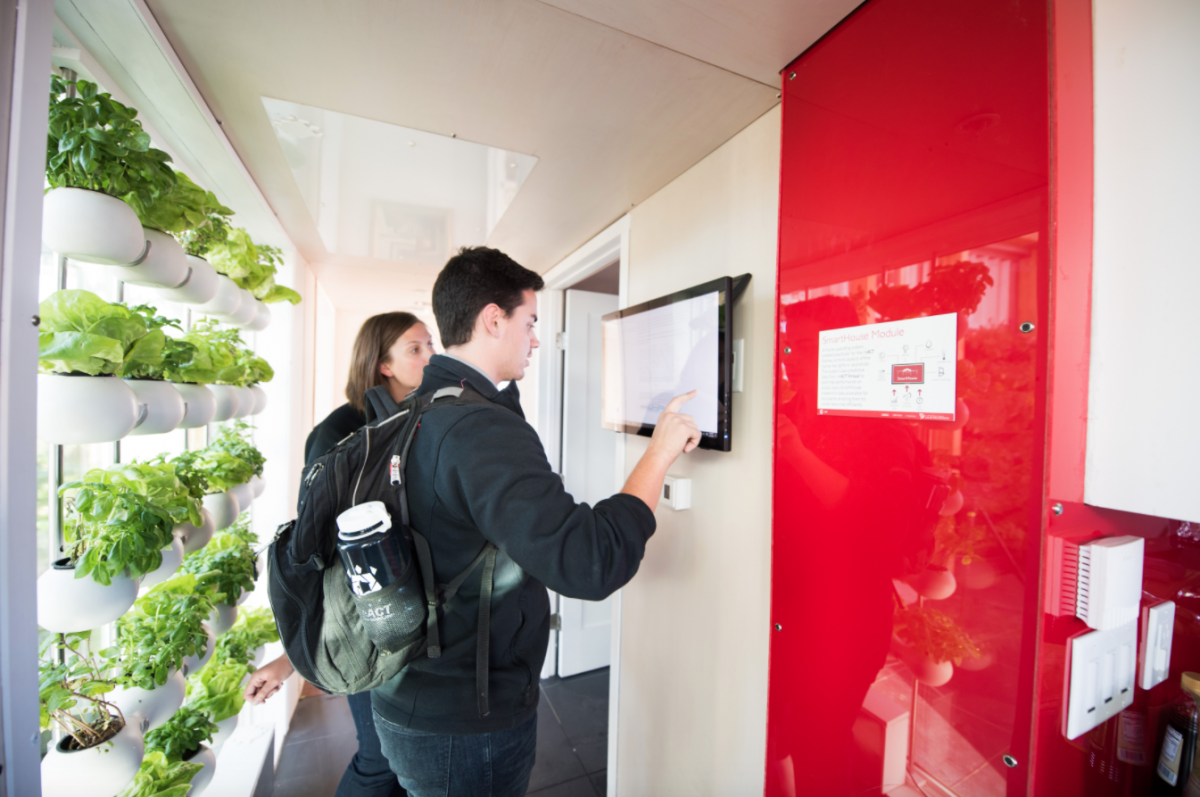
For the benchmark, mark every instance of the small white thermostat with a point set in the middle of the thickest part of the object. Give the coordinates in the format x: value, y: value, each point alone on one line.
x: 677, y: 492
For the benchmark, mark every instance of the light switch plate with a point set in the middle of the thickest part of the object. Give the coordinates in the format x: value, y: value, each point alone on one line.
x: 1154, y: 658
x: 739, y: 364
x: 1100, y: 679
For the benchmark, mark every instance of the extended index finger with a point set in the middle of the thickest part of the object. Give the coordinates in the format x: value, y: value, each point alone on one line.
x: 679, y: 401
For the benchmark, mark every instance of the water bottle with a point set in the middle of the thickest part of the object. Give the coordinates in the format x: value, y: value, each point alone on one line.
x: 383, y: 576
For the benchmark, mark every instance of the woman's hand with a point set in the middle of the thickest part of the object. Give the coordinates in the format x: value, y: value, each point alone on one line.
x: 266, y: 681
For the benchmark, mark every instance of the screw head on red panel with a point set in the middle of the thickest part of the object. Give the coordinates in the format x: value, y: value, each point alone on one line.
x: 1056, y: 508
x: 1009, y: 761
x: 778, y: 626
x: 792, y: 76
x: 1027, y: 327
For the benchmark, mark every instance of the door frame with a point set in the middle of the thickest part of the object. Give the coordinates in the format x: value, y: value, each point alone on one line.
x: 24, y: 174
x: 598, y: 253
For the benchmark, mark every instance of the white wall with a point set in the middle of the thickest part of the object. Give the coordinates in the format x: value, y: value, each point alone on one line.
x: 692, y: 712
x: 1143, y: 418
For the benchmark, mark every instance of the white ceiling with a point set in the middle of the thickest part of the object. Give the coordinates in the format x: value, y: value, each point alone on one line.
x: 614, y: 98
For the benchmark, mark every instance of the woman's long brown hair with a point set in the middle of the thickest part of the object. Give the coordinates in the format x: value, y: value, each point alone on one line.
x: 377, y: 335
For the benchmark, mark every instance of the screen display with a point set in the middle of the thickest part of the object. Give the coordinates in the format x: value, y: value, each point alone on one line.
x: 665, y: 348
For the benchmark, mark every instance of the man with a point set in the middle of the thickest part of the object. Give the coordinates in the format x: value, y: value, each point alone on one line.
x: 477, y: 473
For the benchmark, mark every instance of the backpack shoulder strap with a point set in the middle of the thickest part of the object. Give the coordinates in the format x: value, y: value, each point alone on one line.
x: 379, y: 404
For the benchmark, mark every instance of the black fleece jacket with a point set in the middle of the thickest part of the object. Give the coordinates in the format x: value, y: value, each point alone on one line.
x: 477, y: 473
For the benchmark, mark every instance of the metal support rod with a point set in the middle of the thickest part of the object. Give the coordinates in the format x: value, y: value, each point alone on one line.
x: 117, y: 443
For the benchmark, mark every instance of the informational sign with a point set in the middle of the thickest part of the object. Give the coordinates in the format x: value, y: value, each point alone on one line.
x: 895, y: 369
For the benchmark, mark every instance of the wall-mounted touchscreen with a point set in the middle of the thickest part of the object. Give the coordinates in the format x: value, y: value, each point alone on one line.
x: 667, y: 347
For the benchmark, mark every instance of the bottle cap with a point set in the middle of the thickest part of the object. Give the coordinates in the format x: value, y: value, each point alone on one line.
x: 366, y: 518
x: 1191, y: 682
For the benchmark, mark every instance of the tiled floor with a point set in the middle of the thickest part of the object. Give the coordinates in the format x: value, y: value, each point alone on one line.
x: 572, y: 744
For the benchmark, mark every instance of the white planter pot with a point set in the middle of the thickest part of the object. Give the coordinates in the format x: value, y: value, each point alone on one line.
x: 934, y: 583
x: 225, y: 727
x: 222, y: 618
x: 73, y: 410
x: 199, y: 286
x: 199, y: 405
x: 259, y: 655
x: 257, y: 485
x: 224, y: 508
x: 156, y: 705
x: 165, y: 264
x: 243, y: 494
x: 196, y: 537
x: 227, y: 398
x: 66, y: 603
x: 246, y: 310
x: 172, y: 558
x: 91, y: 227
x: 246, y: 402
x: 260, y: 399
x: 204, y: 777
x: 245, y: 596
x: 925, y: 669
x: 164, y: 406
x: 261, y: 319
x: 194, y: 664
x: 99, y: 771
x: 225, y: 301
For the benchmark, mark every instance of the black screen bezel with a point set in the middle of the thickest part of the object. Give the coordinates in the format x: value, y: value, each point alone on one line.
x: 723, y: 287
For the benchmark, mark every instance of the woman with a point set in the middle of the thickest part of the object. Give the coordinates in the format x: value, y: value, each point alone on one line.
x: 391, y: 349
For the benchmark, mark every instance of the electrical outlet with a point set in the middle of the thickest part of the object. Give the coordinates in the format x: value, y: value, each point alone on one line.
x: 1154, y: 658
x: 1100, y: 679
x: 1109, y: 590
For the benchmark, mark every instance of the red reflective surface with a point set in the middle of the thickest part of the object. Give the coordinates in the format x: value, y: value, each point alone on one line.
x: 905, y: 558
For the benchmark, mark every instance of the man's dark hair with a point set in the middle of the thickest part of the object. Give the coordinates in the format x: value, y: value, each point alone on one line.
x: 474, y: 278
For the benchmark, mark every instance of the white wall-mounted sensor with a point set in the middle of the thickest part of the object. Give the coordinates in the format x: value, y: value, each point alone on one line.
x: 677, y: 492
x: 1154, y: 658
x: 1110, y: 582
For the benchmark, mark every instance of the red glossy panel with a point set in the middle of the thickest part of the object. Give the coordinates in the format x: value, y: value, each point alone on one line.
x: 914, y: 183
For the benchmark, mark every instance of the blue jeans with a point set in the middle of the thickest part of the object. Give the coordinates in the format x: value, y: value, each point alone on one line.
x: 469, y: 765
x: 368, y: 774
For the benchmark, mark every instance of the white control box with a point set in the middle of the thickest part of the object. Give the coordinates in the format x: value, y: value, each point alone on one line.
x: 677, y: 493
x: 1158, y: 630
x: 1109, y: 592
x: 1100, y: 679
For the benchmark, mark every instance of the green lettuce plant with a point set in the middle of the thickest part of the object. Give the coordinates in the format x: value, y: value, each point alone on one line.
x: 97, y: 143
x: 111, y: 527
x: 253, y: 629
x: 213, y: 356
x: 185, y: 466
x: 71, y: 692
x: 183, y: 733
x: 252, y: 266
x: 217, y: 689
x: 80, y: 333
x: 185, y: 207
x: 164, y: 627
x: 234, y: 439
x: 160, y: 777
x: 202, y: 238
x: 225, y: 567
x: 157, y: 481
x: 933, y: 634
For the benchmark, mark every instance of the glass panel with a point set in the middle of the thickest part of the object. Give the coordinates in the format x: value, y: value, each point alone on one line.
x: 913, y: 186
x: 394, y: 193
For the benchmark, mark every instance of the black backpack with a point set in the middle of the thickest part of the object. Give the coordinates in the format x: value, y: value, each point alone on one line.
x: 318, y: 621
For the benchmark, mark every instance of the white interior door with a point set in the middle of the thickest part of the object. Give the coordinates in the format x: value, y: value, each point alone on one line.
x: 588, y: 470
